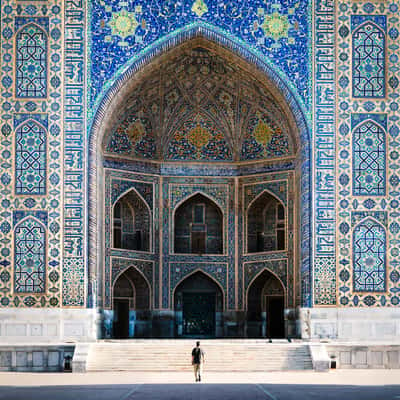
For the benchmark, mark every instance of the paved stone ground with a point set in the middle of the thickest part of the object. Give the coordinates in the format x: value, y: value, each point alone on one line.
x: 335, y: 385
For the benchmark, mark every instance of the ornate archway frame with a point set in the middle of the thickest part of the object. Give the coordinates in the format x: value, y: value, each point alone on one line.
x: 129, y: 75
x: 245, y: 233
x: 151, y: 216
x: 206, y: 274
x: 123, y: 271
x: 113, y: 297
x: 217, y: 205
x: 259, y: 273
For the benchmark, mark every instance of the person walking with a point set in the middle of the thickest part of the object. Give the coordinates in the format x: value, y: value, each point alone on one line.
x: 198, y: 360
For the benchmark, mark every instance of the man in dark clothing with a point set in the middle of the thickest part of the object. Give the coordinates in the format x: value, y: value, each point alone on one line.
x: 198, y: 361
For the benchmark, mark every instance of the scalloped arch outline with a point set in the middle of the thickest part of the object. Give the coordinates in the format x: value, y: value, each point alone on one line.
x: 248, y: 54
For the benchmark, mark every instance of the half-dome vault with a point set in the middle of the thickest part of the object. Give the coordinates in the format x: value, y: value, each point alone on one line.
x: 200, y: 106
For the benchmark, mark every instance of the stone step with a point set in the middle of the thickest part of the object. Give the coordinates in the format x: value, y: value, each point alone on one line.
x: 175, y: 356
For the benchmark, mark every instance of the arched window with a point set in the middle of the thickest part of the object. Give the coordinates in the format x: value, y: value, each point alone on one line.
x: 31, y: 62
x: 30, y: 159
x: 131, y: 223
x: 266, y: 225
x: 30, y: 256
x: 198, y: 227
x: 368, y: 61
x: 369, y: 159
x: 369, y: 257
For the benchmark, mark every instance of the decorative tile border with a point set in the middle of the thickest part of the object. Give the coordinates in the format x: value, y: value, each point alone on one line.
x: 324, y: 150
x: 75, y: 279
x: 382, y: 207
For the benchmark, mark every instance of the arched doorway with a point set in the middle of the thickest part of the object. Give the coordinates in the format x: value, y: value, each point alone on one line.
x: 131, y: 305
x: 265, y: 307
x: 198, y: 303
x: 124, y: 301
x: 198, y: 226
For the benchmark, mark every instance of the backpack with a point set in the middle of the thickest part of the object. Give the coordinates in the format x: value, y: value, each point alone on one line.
x: 196, y: 355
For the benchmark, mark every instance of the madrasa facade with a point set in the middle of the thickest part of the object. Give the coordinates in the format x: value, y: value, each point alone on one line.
x: 199, y: 169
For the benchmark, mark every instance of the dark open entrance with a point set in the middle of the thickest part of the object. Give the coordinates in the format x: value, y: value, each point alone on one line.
x: 199, y: 314
x: 198, y: 306
x: 275, y: 306
x: 121, y: 320
x: 131, y: 304
x: 265, y: 307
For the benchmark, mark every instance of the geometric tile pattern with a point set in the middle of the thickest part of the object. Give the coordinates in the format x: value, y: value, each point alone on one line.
x: 31, y: 145
x: 369, y: 159
x: 369, y: 257
x: 30, y: 158
x: 133, y: 136
x: 368, y: 33
x: 30, y: 256
x: 367, y: 154
x: 325, y: 280
x: 31, y: 45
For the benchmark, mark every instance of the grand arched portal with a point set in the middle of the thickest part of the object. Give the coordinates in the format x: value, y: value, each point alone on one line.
x: 200, y: 169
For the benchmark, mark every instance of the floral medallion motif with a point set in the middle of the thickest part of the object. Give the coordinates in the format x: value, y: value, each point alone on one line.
x: 199, y: 7
x: 263, y: 132
x: 123, y: 24
x: 263, y: 138
x: 276, y: 26
x: 199, y: 137
x: 133, y: 136
x: 135, y: 132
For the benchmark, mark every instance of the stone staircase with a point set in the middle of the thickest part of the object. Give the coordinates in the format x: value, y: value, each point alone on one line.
x: 175, y: 355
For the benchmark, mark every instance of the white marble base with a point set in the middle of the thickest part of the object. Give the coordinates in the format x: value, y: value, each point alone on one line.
x: 351, y: 324
x: 47, y: 325
x: 364, y: 356
x: 320, y: 358
x: 35, y: 358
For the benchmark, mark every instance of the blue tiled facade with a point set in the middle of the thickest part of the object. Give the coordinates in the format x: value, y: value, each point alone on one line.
x: 296, y: 98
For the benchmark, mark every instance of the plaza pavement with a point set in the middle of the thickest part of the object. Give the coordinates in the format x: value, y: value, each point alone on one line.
x: 303, y: 385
